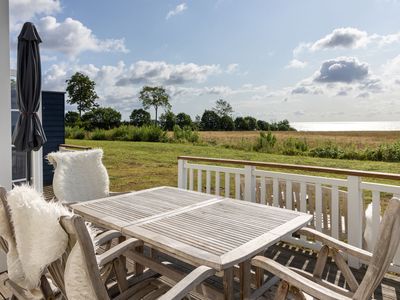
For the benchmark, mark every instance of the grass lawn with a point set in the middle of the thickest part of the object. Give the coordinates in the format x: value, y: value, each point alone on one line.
x: 140, y: 165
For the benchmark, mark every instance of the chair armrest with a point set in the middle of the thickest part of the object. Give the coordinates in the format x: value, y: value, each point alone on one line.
x: 117, y: 251
x: 334, y: 243
x: 295, y: 279
x: 106, y: 236
x: 188, y: 283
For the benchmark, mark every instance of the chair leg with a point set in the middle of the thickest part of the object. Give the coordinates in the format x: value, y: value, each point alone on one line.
x: 120, y: 274
x: 297, y: 293
x: 282, y: 291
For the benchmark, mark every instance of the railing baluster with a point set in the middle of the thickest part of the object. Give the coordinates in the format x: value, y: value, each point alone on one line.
x: 318, y: 207
x: 262, y: 190
x: 376, y: 214
x: 227, y: 184
x: 199, y: 180
x: 289, y: 195
x: 217, y: 185
x: 208, y: 182
x: 237, y: 186
x: 303, y: 197
x: 191, y: 179
x: 275, y: 191
x: 335, y: 212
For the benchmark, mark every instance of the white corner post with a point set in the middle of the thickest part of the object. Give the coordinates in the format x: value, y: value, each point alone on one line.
x: 355, y: 209
x: 5, y: 108
x: 249, y: 184
x: 5, y: 98
x: 182, y: 174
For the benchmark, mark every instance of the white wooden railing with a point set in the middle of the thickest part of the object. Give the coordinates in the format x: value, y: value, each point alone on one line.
x: 338, y: 204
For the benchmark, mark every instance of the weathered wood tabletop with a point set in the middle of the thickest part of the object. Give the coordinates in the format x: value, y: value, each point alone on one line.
x: 197, y: 228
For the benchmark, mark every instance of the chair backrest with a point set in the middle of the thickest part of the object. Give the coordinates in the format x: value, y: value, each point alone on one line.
x: 3, y: 202
x: 79, y: 175
x: 77, y: 232
x: 384, y: 250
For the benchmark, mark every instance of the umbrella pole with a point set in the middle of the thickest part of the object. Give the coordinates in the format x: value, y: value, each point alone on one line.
x: 29, y: 167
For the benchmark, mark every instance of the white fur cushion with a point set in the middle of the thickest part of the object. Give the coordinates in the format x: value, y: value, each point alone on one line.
x: 76, y: 279
x: 14, y: 267
x: 369, y: 239
x: 39, y: 237
x: 79, y: 175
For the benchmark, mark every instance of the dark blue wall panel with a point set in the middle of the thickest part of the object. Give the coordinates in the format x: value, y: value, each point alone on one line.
x: 53, y: 109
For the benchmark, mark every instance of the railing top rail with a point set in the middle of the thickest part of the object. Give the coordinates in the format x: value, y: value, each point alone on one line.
x: 67, y: 146
x: 347, y: 172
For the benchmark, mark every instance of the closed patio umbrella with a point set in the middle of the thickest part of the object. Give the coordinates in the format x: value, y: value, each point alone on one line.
x: 28, y: 134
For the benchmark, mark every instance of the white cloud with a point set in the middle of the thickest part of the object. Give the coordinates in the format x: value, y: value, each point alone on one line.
x: 232, y: 68
x: 348, y: 37
x: 179, y: 9
x: 296, y: 64
x: 342, y: 69
x: 160, y: 72
x: 25, y: 10
x: 71, y: 37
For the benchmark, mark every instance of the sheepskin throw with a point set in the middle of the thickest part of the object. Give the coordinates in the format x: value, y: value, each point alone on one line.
x: 79, y: 175
x: 39, y: 237
x: 14, y: 267
x: 76, y: 278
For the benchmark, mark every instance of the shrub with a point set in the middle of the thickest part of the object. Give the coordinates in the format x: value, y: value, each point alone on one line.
x: 98, y: 134
x: 265, y: 142
x: 185, y: 134
x: 102, y: 118
x: 294, y: 146
x: 327, y: 151
x: 75, y: 133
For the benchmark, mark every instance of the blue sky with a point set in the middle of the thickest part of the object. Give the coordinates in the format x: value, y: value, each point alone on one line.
x: 300, y: 60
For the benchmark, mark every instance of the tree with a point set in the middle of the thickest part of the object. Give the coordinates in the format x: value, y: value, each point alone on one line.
x: 227, y: 123
x: 251, y: 123
x: 140, y: 117
x: 183, y: 120
x: 71, y: 118
x: 156, y: 97
x: 262, y: 125
x: 222, y: 108
x: 102, y: 118
x: 80, y: 90
x: 210, y: 121
x: 241, y: 124
x: 168, y: 120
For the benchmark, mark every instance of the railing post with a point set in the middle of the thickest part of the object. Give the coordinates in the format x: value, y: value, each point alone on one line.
x: 182, y: 174
x: 355, y: 211
x: 249, y: 184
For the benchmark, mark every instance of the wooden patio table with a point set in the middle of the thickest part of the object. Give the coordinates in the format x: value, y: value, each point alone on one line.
x: 197, y: 228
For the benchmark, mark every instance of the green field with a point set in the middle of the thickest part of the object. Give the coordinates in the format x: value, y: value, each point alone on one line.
x: 140, y: 165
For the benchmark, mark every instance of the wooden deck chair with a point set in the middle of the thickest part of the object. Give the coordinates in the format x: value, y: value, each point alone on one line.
x: 79, y: 176
x: 48, y: 290
x: 312, y: 284
x: 147, y: 288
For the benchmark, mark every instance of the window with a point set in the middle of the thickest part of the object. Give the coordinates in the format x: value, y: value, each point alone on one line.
x: 18, y: 158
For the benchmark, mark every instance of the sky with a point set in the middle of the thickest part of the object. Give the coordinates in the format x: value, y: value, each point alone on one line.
x: 308, y: 60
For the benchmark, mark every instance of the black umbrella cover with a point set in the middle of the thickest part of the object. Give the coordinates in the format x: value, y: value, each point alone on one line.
x: 28, y: 133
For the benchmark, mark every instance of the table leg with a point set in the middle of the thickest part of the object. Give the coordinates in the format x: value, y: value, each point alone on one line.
x: 138, y: 267
x: 245, y: 279
x: 123, y: 258
x: 228, y: 284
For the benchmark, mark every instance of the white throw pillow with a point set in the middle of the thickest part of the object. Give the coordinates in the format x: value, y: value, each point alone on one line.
x: 79, y: 175
x: 39, y: 237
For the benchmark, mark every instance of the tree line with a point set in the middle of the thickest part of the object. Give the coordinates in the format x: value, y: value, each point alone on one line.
x: 81, y: 92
